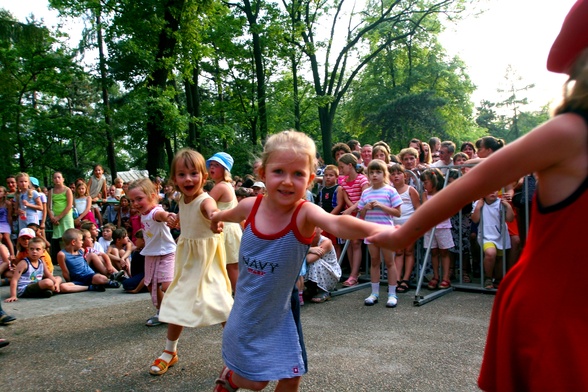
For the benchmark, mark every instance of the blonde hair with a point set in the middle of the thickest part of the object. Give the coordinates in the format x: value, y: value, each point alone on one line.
x: 378, y: 164
x: 191, y: 159
x: 146, y: 186
x: 3, y: 198
x: 332, y: 168
x: 575, y: 96
x: 290, y: 140
x: 29, y: 191
x: 408, y: 151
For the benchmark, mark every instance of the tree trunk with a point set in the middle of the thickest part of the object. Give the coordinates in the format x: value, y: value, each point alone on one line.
x: 259, y: 70
x: 110, y: 154
x: 156, y: 138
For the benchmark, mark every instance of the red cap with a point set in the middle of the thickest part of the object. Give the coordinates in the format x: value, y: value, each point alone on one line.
x: 572, y: 39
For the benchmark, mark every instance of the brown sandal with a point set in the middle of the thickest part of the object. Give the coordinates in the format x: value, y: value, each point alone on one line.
x: 163, y: 365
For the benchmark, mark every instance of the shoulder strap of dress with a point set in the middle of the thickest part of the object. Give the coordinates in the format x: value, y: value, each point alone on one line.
x: 251, y: 217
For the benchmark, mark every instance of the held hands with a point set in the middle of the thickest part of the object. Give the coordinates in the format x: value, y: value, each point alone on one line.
x: 215, y: 224
x: 388, y: 238
x: 173, y: 221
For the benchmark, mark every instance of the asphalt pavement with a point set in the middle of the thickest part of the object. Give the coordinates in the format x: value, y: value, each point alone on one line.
x: 99, y: 342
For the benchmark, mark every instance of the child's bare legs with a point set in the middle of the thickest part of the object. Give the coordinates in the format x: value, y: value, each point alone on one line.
x: 435, y: 263
x: 514, y: 251
x: 375, y: 264
x: 354, y: 256
x: 98, y: 264
x: 69, y: 287
x: 97, y: 215
x: 404, y: 269
x: 445, y: 263
x: 233, y: 272
x: 489, y: 264
x: 6, y: 239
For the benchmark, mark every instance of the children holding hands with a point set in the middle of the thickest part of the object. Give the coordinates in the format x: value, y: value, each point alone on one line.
x: 200, y: 292
x: 160, y: 248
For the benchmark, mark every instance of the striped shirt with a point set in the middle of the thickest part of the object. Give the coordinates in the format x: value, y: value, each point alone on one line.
x: 387, y: 196
x: 354, y: 188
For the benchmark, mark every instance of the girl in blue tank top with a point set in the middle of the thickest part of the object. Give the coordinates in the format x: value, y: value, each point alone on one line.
x: 262, y: 340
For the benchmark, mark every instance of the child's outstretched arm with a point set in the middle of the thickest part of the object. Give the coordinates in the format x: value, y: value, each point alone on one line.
x: 557, y: 144
x: 236, y: 215
x: 342, y: 226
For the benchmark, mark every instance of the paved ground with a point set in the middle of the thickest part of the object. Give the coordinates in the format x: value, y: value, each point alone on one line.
x: 98, y: 342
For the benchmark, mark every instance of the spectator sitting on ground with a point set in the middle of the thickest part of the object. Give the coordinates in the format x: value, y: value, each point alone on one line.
x: 22, y: 245
x: 99, y: 262
x: 323, y: 269
x: 136, y: 283
x: 106, y: 238
x: 120, y: 250
x: 74, y: 267
x: 31, y: 279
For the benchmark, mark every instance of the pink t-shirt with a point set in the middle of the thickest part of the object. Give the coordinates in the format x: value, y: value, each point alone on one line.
x: 354, y: 188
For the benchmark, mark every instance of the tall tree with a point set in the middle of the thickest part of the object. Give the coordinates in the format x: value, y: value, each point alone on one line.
x: 392, y: 20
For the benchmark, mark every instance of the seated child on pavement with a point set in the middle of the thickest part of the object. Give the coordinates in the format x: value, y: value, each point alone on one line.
x: 106, y: 238
x: 31, y: 279
x: 99, y: 262
x: 75, y: 268
x: 22, y: 246
x: 120, y: 250
x: 136, y: 283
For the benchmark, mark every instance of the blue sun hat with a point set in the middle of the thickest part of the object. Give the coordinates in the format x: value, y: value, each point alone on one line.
x: 34, y: 181
x: 224, y: 159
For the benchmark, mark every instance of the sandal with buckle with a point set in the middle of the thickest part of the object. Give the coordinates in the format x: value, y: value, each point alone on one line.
x: 402, y: 286
x: 351, y: 281
x: 163, y: 365
x: 321, y: 297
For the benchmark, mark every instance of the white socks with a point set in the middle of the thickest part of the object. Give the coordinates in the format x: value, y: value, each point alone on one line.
x: 171, y: 346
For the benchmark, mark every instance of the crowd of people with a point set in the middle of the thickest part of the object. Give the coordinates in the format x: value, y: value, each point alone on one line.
x: 242, y: 252
x: 103, y: 235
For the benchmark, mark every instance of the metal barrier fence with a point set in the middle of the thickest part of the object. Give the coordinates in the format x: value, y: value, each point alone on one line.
x: 423, y: 254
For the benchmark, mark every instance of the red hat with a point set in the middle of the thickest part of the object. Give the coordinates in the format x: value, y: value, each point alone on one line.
x: 572, y: 39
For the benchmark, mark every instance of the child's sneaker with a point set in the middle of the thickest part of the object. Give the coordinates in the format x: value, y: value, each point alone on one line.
x: 371, y: 300
x: 119, y: 276
x: 392, y: 301
x: 112, y: 284
x: 223, y: 382
x: 96, y: 287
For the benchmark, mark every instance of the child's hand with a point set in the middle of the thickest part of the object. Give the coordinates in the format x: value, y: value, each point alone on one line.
x: 388, y: 238
x: 215, y: 224
x: 172, y: 220
x: 11, y: 299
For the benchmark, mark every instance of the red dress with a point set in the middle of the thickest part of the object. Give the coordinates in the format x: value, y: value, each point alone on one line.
x: 538, y: 334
